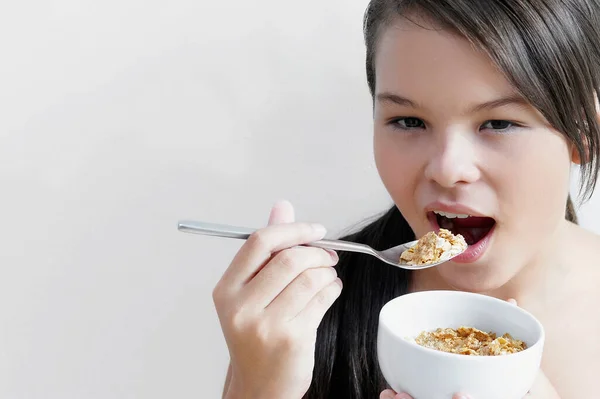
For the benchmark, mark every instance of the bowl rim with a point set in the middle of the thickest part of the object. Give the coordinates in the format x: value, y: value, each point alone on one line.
x: 538, y: 343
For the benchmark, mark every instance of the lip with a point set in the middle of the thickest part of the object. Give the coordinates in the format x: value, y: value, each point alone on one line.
x: 473, y: 252
x: 453, y: 208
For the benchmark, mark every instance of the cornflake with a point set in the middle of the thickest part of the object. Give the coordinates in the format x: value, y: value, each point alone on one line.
x: 432, y: 248
x: 470, y: 341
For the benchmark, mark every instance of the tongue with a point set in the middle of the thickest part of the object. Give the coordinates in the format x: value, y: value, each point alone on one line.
x: 472, y: 235
x: 472, y: 228
x: 473, y: 221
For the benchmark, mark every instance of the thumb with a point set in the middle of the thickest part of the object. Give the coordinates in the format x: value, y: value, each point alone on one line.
x: 282, y: 212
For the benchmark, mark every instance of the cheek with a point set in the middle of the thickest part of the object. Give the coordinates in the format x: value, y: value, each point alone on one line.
x: 398, y: 168
x: 384, y: 161
x: 535, y: 182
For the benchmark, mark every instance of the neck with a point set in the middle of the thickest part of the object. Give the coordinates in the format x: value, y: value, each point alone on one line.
x: 536, y: 286
x: 539, y: 283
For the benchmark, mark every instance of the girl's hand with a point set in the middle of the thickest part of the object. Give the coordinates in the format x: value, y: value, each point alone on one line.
x: 541, y: 389
x: 270, y: 301
x: 389, y: 394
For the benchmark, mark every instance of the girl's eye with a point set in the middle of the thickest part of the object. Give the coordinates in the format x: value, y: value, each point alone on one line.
x: 408, y: 123
x: 498, y: 125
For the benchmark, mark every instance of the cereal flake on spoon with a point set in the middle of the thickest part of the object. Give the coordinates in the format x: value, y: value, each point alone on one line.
x: 434, y: 247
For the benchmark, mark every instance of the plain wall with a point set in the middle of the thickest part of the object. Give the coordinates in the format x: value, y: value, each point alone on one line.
x: 118, y: 118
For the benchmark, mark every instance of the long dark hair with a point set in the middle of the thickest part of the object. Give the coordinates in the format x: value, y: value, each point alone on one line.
x: 550, y: 51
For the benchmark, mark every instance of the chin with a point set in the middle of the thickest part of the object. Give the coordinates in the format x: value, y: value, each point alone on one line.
x: 473, y: 278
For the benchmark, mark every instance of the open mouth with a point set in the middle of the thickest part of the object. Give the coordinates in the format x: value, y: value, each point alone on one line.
x: 472, y: 228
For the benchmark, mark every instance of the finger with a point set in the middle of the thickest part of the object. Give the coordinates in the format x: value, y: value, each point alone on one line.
x: 262, y: 244
x: 542, y: 388
x: 300, y: 291
x: 387, y: 394
x: 313, y: 312
x: 403, y: 395
x: 512, y: 301
x: 282, y: 212
x: 285, y: 267
x: 461, y: 396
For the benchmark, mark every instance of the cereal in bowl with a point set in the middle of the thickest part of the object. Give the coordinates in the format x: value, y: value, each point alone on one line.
x: 470, y: 341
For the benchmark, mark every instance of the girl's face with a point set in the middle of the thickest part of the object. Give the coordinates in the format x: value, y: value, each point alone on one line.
x: 453, y: 137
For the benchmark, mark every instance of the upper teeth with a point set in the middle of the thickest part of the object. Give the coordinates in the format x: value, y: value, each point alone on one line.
x: 451, y: 215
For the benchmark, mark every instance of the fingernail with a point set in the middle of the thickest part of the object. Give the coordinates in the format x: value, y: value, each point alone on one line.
x: 283, y: 203
x: 319, y: 229
x: 402, y: 396
x: 334, y: 255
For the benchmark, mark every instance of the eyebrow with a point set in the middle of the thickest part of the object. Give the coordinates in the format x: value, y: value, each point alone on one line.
x: 514, y: 99
x: 386, y: 97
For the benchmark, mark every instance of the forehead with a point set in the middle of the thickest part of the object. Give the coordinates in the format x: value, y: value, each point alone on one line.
x: 421, y: 59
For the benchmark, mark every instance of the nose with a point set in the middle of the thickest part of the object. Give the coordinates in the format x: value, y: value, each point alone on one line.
x: 453, y: 160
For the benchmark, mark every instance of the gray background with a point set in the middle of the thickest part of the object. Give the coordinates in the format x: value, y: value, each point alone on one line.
x: 119, y: 118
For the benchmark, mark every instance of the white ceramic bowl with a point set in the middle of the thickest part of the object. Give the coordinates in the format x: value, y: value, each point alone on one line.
x: 431, y: 374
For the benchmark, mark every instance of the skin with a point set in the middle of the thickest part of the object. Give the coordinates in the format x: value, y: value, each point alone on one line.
x: 519, y: 176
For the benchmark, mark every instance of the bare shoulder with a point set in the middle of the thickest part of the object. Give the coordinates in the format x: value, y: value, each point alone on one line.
x: 584, y: 246
x: 575, y: 316
x: 587, y: 245
x: 583, y: 273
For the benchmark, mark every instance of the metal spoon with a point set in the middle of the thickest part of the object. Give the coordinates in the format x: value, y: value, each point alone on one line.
x: 390, y: 256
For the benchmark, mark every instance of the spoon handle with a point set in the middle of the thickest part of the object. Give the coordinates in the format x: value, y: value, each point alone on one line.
x: 242, y: 233
x: 212, y: 229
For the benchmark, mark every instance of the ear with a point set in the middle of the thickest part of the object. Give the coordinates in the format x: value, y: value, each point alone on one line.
x: 575, y: 156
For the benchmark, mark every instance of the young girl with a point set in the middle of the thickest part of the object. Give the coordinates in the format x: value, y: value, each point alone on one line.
x: 480, y: 110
